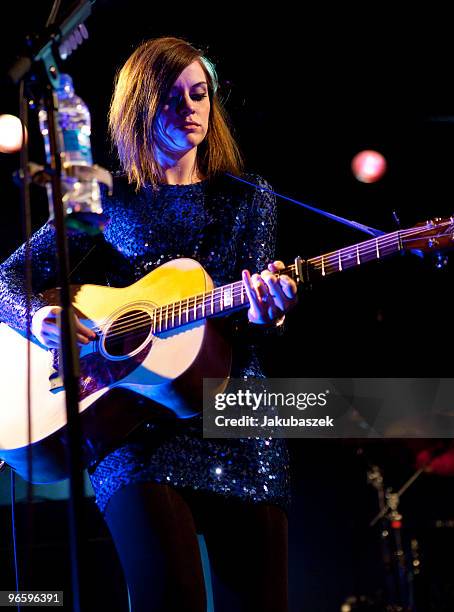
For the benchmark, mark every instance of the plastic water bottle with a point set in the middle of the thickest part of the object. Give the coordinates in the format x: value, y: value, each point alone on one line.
x: 81, y: 196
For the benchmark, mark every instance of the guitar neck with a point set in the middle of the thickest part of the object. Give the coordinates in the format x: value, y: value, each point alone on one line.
x: 357, y: 254
x: 229, y: 298
x: 216, y: 302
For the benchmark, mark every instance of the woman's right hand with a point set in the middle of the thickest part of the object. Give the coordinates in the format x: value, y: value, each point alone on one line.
x: 46, y: 327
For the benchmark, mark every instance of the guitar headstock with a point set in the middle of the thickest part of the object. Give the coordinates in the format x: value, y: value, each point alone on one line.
x: 430, y: 236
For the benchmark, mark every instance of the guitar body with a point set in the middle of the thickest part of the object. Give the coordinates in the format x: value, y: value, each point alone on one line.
x: 166, y: 368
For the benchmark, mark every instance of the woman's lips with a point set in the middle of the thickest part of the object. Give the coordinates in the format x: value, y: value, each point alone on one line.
x: 189, y: 126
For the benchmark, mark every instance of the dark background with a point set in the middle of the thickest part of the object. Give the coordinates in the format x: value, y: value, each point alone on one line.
x: 307, y: 89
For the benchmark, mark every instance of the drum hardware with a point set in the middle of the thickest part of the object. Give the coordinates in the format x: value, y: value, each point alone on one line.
x: 401, y: 560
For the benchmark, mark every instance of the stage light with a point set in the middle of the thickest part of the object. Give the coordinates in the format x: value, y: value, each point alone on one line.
x: 10, y: 134
x: 368, y: 166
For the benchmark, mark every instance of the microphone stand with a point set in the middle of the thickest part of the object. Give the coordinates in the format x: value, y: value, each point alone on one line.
x: 43, y: 56
x: 69, y: 356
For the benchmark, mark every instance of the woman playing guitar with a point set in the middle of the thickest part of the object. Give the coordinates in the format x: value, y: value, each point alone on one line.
x: 165, y: 483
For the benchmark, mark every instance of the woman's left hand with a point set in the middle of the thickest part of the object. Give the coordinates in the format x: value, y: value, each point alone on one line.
x: 270, y: 297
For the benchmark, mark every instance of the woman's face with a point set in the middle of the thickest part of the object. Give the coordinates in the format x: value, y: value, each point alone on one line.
x: 182, y: 122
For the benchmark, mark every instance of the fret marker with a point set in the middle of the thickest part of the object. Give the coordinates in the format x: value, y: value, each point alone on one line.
x: 227, y: 296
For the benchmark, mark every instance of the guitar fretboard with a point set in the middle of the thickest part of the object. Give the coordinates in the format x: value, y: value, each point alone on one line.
x: 195, y: 308
x: 228, y: 298
x: 350, y: 257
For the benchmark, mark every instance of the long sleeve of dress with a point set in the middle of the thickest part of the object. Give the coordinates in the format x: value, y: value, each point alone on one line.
x: 13, y: 290
x: 43, y: 251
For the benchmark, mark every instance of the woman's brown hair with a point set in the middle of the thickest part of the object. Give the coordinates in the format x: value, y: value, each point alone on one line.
x: 141, y: 87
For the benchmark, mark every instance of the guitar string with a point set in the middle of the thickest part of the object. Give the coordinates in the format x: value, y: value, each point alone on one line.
x: 328, y: 259
x: 234, y: 290
x: 196, y: 302
x: 313, y: 261
x: 199, y: 298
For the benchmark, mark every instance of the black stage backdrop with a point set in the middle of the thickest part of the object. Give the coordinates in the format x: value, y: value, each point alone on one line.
x: 307, y: 89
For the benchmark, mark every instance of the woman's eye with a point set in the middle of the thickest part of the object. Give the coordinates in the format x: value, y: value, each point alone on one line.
x: 175, y: 100
x: 198, y: 97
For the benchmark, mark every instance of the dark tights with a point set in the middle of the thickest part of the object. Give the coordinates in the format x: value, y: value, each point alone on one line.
x: 155, y: 528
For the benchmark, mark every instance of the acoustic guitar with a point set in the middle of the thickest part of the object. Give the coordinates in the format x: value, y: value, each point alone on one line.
x: 157, y: 338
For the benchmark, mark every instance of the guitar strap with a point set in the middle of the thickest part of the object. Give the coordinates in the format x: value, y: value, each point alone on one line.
x: 355, y: 224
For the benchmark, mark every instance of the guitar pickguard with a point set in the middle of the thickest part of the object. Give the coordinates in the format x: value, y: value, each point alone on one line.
x: 96, y: 372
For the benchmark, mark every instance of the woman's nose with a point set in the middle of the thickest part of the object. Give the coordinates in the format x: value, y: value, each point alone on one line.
x: 186, y: 105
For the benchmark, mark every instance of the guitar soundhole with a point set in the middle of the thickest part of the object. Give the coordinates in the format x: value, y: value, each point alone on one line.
x: 127, y: 333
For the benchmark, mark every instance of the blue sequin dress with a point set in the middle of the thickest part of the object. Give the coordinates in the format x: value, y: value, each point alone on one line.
x: 226, y: 226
